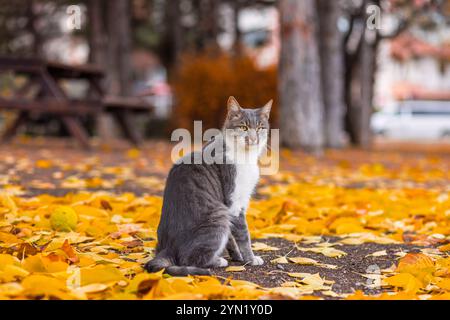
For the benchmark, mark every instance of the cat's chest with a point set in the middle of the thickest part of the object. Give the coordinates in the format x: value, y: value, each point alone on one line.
x: 245, y: 181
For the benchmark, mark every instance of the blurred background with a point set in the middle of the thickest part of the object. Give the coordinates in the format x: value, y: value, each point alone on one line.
x: 345, y: 72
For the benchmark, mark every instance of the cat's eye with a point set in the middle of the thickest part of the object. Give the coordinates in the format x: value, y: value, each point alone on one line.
x: 245, y: 128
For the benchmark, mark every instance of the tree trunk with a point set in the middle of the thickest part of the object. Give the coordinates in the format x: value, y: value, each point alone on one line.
x: 237, y: 45
x: 368, y: 61
x: 112, y: 70
x: 207, y: 25
x: 97, y: 35
x: 98, y: 55
x: 37, y: 48
x: 332, y: 67
x: 172, y: 39
x: 301, y: 102
x: 110, y: 47
x: 361, y: 68
x: 119, y: 47
x: 124, y: 47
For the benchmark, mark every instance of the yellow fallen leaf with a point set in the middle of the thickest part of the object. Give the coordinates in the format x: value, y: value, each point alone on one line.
x: 415, y: 261
x: 296, y: 274
x: 312, y: 281
x: 291, y: 292
x: 311, y: 262
x: 133, y: 153
x: 348, y: 227
x: 326, y: 251
x: 242, y: 284
x: 11, y: 288
x: 210, y: 287
x: 333, y: 294
x: 44, y: 164
x: 7, y: 259
x: 8, y: 203
x: 315, y: 280
x: 100, y: 274
x: 405, y: 281
x: 41, y: 264
x: 259, y: 246
x: 377, y: 254
x: 235, y: 269
x: 41, y: 284
x: 303, y: 261
x: 419, y: 265
x: 94, y: 287
x: 12, y: 272
x: 444, y: 284
x: 290, y: 284
x: 445, y: 248
x: 150, y: 278
x: 281, y: 260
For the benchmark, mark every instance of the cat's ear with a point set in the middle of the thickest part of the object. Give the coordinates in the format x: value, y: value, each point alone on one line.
x: 265, y: 111
x: 233, y: 106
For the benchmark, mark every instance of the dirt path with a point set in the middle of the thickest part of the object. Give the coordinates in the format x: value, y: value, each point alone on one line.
x: 347, y: 276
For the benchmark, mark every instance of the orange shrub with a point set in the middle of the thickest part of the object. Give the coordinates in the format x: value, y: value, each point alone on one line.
x: 204, y: 82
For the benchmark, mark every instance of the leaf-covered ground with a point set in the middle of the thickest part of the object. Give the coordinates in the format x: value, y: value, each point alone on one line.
x: 349, y: 224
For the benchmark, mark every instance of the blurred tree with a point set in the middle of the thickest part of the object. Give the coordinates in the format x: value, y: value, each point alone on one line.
x: 347, y: 65
x: 325, y: 71
x: 332, y: 71
x: 145, y: 23
x: 32, y: 18
x: 171, y: 44
x: 300, y: 88
x: 119, y: 47
x: 361, y: 45
x: 25, y: 26
x: 360, y: 58
x: 204, y: 81
x: 98, y: 54
x: 97, y: 36
x: 208, y: 24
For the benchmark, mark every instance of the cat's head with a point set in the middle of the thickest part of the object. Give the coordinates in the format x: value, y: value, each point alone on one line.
x: 248, y: 128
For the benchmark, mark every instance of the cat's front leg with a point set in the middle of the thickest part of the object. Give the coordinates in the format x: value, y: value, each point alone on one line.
x: 233, y: 249
x: 239, y: 230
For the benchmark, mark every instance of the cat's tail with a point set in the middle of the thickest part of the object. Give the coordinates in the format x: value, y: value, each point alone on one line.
x: 161, y: 262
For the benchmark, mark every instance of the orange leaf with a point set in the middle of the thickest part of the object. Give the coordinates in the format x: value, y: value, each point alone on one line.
x: 414, y: 261
x: 70, y: 252
x: 405, y: 281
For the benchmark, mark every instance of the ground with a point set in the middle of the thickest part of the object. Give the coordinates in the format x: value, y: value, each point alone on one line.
x: 342, y: 224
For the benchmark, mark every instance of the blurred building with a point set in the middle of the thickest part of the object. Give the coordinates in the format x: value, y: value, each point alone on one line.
x: 259, y: 27
x: 414, y: 66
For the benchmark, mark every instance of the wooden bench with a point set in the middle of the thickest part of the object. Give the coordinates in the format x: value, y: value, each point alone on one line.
x: 129, y: 103
x: 122, y: 109
x: 52, y: 99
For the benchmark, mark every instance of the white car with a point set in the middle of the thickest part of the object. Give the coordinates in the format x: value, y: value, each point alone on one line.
x: 414, y: 120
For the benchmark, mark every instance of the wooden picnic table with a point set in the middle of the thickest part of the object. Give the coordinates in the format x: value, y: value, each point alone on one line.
x: 51, y: 98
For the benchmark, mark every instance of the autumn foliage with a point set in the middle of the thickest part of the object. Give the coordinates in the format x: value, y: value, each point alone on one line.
x: 80, y: 227
x: 204, y: 82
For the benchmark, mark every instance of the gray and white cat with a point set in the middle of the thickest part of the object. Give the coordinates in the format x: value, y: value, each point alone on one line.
x: 204, y: 205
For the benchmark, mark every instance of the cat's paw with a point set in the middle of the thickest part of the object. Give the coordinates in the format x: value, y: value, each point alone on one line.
x: 221, y: 262
x: 257, y: 261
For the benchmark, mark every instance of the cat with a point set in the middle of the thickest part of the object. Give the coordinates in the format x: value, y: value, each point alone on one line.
x: 204, y: 205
